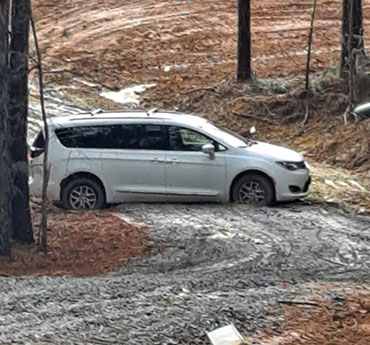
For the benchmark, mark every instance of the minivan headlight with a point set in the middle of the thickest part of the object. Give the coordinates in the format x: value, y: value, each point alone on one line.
x: 292, y: 166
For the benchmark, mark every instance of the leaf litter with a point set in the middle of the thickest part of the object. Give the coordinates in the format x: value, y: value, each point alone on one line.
x: 79, y: 244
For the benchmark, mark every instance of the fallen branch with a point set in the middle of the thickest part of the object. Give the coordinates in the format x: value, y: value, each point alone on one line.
x: 256, y: 118
x: 268, y: 110
x: 213, y: 88
x: 310, y: 304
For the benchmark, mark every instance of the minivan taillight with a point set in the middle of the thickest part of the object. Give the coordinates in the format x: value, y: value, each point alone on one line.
x: 36, y: 153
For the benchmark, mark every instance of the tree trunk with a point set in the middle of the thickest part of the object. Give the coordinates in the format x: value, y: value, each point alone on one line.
x: 308, y: 65
x: 18, y: 111
x: 244, y: 41
x: 44, y: 214
x: 357, y: 29
x: 5, y: 189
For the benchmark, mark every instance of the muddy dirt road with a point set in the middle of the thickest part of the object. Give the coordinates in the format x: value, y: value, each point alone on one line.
x: 210, y: 265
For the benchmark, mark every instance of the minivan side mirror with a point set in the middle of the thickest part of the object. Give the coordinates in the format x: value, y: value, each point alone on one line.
x: 209, y: 149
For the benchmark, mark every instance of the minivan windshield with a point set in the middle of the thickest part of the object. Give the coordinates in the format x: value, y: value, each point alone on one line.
x: 228, y: 136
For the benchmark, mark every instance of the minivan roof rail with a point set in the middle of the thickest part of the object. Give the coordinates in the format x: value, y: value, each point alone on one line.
x: 96, y: 112
x: 152, y: 111
x: 101, y: 111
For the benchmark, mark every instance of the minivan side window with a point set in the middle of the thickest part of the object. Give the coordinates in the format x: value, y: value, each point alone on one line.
x: 183, y: 139
x: 152, y: 137
x: 99, y: 137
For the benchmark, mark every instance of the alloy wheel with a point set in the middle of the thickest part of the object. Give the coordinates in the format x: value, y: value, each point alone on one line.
x: 251, y: 193
x: 83, y: 198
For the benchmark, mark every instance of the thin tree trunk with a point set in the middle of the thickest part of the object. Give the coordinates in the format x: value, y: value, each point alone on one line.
x: 18, y: 112
x: 351, y: 63
x: 356, y: 18
x: 308, y: 66
x: 352, y: 53
x: 5, y: 189
x: 44, y: 216
x: 244, y: 41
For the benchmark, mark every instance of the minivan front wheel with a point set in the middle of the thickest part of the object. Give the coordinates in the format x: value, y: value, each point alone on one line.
x: 83, y: 194
x: 253, y: 189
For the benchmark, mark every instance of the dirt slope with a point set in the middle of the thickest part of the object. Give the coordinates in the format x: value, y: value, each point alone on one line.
x: 119, y: 42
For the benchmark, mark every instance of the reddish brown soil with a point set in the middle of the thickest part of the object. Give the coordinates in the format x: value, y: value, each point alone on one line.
x: 119, y: 42
x: 326, y: 323
x: 80, y: 244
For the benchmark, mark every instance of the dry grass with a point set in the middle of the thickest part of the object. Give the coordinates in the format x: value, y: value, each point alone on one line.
x: 344, y: 188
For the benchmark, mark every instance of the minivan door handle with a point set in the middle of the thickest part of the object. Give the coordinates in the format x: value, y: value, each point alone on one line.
x: 157, y: 160
x: 174, y: 161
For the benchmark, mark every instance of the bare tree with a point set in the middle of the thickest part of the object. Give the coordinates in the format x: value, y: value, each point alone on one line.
x: 352, y: 21
x: 18, y: 111
x: 5, y: 190
x: 244, y: 41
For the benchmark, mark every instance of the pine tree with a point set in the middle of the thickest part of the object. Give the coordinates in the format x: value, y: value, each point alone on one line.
x: 244, y: 41
x: 15, y: 219
x: 5, y: 187
x: 18, y: 110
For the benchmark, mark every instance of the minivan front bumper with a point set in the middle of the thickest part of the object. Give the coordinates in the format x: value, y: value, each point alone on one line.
x: 294, y: 185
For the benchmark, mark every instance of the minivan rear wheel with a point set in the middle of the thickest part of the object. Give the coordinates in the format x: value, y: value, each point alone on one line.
x: 253, y: 189
x: 83, y: 194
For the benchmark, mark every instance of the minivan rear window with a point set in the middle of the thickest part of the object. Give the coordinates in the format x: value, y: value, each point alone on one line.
x: 39, y: 142
x: 99, y: 137
x: 127, y: 136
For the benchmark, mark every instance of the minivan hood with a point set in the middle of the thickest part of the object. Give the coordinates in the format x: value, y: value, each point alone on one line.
x: 278, y: 153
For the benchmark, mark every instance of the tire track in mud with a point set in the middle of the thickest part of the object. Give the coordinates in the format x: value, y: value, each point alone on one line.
x: 219, y: 264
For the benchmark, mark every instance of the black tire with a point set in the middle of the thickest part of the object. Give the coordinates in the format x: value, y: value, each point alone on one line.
x: 57, y: 204
x: 83, y: 184
x: 261, y: 190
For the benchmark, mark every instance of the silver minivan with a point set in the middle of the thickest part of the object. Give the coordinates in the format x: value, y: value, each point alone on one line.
x: 137, y: 156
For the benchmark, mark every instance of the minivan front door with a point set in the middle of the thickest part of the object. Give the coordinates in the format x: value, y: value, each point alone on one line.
x: 191, y: 174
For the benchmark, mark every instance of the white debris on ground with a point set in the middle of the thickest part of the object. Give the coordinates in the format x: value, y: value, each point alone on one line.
x: 129, y: 95
x: 227, y: 335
